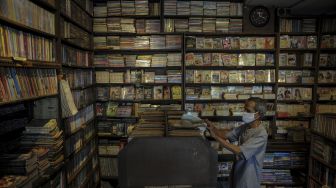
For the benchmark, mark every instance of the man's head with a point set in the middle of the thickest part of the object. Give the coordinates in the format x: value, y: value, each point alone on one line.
x: 255, y: 109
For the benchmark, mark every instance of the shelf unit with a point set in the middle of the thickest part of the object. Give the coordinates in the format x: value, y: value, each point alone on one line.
x: 77, y: 67
x: 51, y: 175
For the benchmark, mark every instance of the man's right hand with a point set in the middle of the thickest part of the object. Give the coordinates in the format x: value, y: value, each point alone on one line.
x: 213, y: 130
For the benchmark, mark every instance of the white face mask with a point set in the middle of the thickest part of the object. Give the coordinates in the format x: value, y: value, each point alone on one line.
x: 248, y: 117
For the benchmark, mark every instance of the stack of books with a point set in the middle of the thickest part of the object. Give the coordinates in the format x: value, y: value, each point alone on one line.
x: 45, y: 133
x: 151, y: 123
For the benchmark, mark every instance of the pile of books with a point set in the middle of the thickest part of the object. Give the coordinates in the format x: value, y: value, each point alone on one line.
x: 22, y: 167
x: 21, y: 83
x: 276, y: 176
x: 76, y: 35
x: 325, y: 124
x: 113, y: 8
x: 297, y: 25
x: 200, y: 8
x: 45, y: 133
x: 136, y: 76
x: 292, y: 59
x: 328, y: 41
x: 296, y: 76
x: 323, y: 150
x: 126, y: 25
x: 77, y: 121
x: 78, y: 78
x: 151, y: 123
x: 108, y: 166
x: 139, y: 93
x: 288, y: 110
x: 328, y: 25
x: 294, y: 93
x: 114, y: 128
x: 325, y: 108
x: 178, y: 127
x: 327, y: 60
x: 29, y: 14
x: 138, y: 42
x: 112, y: 109
x: 226, y: 59
x: 299, y: 42
x: 326, y: 93
x: 37, y: 48
x: 206, y: 25
x: 223, y: 109
x: 229, y: 92
x: 193, y: 42
x: 284, y: 159
x: 72, y: 56
x: 243, y: 76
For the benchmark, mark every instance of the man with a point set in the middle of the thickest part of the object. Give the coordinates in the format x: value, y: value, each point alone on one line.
x: 252, y: 141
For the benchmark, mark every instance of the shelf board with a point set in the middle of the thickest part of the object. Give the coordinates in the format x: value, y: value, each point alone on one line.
x: 327, y: 67
x: 329, y: 33
x: 163, y: 101
x: 229, y: 67
x: 138, y: 84
x: 83, y: 9
x: 229, y: 118
x: 315, y: 180
x: 295, y: 118
x: 299, y: 49
x: 201, y: 16
x: 27, y: 99
x: 323, y: 162
x: 107, y: 156
x: 135, y: 51
x: 230, y: 50
x: 77, y: 66
x: 295, y: 183
x: 116, y: 118
x: 74, y: 45
x: 295, y: 68
x: 74, y: 22
x: 228, y: 84
x: 298, y: 33
x: 285, y: 167
x: 109, y: 33
x: 83, y: 87
x: 295, y: 101
x: 9, y: 62
x: 25, y: 28
x: 113, y: 137
x: 296, y: 84
x: 328, y: 49
x: 109, y: 177
x: 140, y: 68
x: 229, y: 34
x: 327, y: 84
x: 274, y: 142
x: 332, y: 140
x: 221, y: 100
x: 45, y: 5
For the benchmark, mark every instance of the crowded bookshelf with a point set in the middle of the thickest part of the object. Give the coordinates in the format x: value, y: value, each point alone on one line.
x: 79, y: 79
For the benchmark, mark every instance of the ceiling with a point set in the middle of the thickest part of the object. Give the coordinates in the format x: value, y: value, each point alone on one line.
x: 299, y: 7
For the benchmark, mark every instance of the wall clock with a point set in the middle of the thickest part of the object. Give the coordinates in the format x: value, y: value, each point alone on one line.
x: 259, y: 16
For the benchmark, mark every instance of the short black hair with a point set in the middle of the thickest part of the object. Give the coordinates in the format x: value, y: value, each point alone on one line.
x: 260, y: 105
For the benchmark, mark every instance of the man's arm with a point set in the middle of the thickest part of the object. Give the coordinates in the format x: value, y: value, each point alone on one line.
x: 231, y: 147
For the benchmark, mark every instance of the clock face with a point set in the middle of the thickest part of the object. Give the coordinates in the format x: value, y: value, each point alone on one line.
x: 259, y: 16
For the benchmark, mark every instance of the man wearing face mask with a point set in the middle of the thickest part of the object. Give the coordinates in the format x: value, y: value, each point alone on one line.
x: 252, y: 142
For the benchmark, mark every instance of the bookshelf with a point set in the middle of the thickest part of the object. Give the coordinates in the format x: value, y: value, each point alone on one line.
x: 322, y: 167
x: 29, y: 69
x: 76, y: 56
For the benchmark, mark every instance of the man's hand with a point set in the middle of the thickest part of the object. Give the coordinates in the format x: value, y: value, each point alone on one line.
x: 213, y: 130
